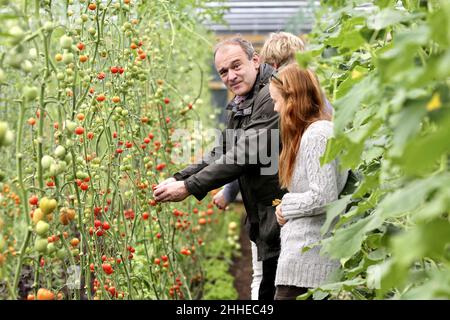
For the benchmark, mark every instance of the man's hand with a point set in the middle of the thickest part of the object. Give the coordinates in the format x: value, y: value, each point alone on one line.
x: 219, y: 200
x: 171, y: 191
x: 167, y: 181
x: 280, y: 218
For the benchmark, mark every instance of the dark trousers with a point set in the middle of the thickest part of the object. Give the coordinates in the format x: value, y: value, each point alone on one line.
x: 289, y: 292
x: 267, y: 286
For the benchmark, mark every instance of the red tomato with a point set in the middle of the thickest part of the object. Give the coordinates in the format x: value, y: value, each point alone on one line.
x: 31, y: 121
x: 84, y: 186
x: 33, y: 200
x: 79, y: 130
x: 160, y: 166
x: 97, y: 223
x: 107, y: 268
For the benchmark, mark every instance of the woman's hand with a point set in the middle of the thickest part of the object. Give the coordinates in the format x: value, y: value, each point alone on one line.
x: 280, y: 219
x: 219, y: 200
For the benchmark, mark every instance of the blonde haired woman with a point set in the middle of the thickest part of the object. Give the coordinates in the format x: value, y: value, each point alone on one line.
x: 280, y: 48
x: 305, y: 128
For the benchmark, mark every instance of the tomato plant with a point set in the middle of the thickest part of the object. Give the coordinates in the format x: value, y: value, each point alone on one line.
x: 99, y: 81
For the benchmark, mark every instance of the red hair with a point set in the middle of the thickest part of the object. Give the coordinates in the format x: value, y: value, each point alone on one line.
x: 303, y: 104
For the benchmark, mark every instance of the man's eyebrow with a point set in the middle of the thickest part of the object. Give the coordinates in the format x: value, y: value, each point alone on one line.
x: 231, y: 63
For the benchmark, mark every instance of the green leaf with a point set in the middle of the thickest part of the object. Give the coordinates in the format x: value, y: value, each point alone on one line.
x: 384, y: 276
x: 347, y: 241
x: 424, y: 152
x: 372, y: 153
x: 304, y: 58
x: 406, y: 125
x: 351, y: 155
x: 359, y: 134
x: 347, y: 106
x: 379, y: 254
x: 384, y: 3
x: 369, y: 183
x: 435, y: 207
x: 334, y: 146
x: 355, y: 76
x: 349, y: 36
x: 388, y: 17
x: 410, y: 197
x: 348, y: 284
x: 439, y: 22
x: 435, y: 287
x: 396, y: 61
x: 427, y: 240
x: 333, y: 211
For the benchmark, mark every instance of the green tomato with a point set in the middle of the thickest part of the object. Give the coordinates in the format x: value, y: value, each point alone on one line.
x: 30, y: 93
x: 17, y: 34
x: 2, y: 75
x: 54, y: 169
x: 66, y: 42
x: 48, y: 26
x: 82, y: 175
x: 2, y: 242
x: 75, y: 252
x: 68, y: 158
x: 42, y: 228
x: 70, y: 125
x: 68, y: 57
x: 60, y: 152
x: 27, y: 66
x: 47, y: 161
x: 51, y: 248
x: 61, y: 254
x: 40, y: 245
x: 14, y: 59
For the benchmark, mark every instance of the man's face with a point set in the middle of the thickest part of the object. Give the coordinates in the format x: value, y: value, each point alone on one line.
x: 237, y: 72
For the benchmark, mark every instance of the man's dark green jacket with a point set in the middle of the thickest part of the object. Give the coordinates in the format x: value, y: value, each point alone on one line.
x: 244, y: 152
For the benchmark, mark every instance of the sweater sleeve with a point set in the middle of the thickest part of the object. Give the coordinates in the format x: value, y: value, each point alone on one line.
x: 322, y: 182
x: 231, y: 190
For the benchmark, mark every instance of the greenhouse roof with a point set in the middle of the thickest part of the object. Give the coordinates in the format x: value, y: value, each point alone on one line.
x: 262, y: 17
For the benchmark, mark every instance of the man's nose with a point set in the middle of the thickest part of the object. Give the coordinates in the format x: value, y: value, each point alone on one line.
x: 231, y: 75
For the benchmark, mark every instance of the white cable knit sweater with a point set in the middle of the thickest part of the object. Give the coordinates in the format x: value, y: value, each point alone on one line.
x: 312, y: 187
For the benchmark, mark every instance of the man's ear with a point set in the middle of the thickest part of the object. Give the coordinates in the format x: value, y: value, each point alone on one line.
x: 256, y: 60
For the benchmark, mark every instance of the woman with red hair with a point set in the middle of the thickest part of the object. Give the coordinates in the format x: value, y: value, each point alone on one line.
x: 305, y: 129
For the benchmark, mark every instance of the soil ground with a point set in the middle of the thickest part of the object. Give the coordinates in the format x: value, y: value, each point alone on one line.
x: 242, y: 265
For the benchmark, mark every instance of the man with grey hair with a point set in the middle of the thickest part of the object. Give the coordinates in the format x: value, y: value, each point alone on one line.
x: 253, y: 121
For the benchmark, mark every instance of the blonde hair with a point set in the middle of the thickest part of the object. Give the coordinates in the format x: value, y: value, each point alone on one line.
x: 302, y: 104
x: 280, y: 49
